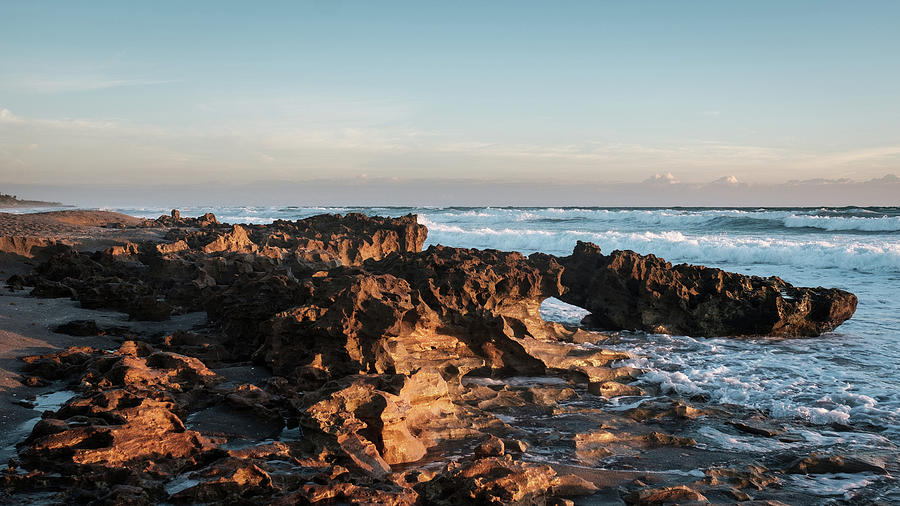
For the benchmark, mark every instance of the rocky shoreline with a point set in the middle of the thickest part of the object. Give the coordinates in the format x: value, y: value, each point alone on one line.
x: 335, y: 361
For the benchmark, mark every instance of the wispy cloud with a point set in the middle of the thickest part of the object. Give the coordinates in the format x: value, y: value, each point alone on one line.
x: 6, y: 116
x: 854, y: 156
x: 104, y: 148
x: 77, y: 83
x: 362, y: 139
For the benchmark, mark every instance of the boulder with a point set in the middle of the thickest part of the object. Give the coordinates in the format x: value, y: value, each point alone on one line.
x: 820, y: 464
x: 236, y: 241
x: 489, y: 480
x: 493, y: 447
x: 362, y: 417
x: 667, y: 495
x: 78, y: 328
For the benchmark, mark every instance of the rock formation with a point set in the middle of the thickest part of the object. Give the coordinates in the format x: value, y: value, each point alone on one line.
x: 625, y: 290
x: 381, y: 354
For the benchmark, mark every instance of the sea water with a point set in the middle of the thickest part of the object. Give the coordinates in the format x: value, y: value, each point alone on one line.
x: 850, y: 377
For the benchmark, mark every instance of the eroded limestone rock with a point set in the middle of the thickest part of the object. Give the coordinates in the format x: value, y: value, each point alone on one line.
x: 625, y: 290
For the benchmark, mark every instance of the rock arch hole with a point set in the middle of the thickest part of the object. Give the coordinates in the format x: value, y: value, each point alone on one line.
x: 555, y: 310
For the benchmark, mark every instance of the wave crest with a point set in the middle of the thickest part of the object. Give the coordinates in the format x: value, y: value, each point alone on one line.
x: 863, y: 254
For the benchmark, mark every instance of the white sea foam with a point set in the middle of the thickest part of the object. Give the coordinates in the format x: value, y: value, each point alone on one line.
x: 882, y: 224
x: 777, y: 378
x: 798, y: 380
x: 742, y: 443
x: 717, y: 219
x: 834, y: 485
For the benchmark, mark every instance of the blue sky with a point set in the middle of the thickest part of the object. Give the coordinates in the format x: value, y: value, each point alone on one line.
x: 764, y: 92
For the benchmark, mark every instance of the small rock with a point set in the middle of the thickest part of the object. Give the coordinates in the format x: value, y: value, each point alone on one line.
x: 756, y: 428
x: 610, y: 389
x: 817, y: 464
x: 663, y: 439
x: 492, y: 480
x: 666, y: 495
x: 35, y: 381
x: 738, y: 495
x: 791, y: 438
x: 515, y: 445
x: 15, y: 282
x: 571, y: 484
x: 78, y: 328
x: 48, y: 426
x: 493, y: 447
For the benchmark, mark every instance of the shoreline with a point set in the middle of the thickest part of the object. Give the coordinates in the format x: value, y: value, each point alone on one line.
x: 655, y: 436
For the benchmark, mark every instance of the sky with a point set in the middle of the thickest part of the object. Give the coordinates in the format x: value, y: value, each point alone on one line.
x: 502, y: 100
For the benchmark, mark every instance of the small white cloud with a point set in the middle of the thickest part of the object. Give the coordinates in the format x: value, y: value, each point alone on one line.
x: 666, y: 178
x: 711, y: 114
x: 6, y: 116
x: 267, y: 158
x: 730, y: 180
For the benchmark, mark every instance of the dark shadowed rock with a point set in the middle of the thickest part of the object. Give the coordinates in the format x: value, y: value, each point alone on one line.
x: 625, y: 290
x: 493, y: 447
x: 820, y: 464
x: 16, y: 282
x: 78, y: 328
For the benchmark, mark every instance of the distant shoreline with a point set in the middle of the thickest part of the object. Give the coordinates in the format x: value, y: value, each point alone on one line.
x: 11, y: 201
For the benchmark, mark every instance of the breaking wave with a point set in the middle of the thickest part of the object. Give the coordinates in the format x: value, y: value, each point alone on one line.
x: 849, y: 220
x: 765, y: 376
x: 861, y: 254
x: 837, y: 223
